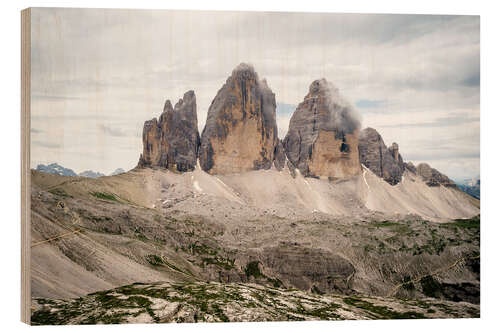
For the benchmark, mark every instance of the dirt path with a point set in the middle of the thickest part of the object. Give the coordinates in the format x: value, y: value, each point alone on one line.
x: 56, y: 237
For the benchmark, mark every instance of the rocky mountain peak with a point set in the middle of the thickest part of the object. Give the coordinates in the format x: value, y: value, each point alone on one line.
x: 56, y: 169
x: 324, y: 87
x: 168, y: 106
x: 117, y: 172
x: 394, y: 150
x: 172, y: 141
x: 240, y: 133
x: 410, y: 167
x: 322, y: 138
x: 244, y: 71
x: 385, y: 162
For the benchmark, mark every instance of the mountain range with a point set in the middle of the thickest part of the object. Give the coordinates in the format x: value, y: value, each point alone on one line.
x: 57, y: 169
x: 324, y: 138
x: 237, y: 224
x: 471, y: 186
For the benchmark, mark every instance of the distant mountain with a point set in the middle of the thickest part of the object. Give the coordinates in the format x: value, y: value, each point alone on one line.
x: 91, y: 174
x: 472, y: 182
x: 117, y: 172
x: 471, y: 187
x: 55, y: 168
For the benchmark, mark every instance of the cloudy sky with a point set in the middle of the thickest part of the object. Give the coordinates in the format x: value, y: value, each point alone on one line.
x: 97, y: 75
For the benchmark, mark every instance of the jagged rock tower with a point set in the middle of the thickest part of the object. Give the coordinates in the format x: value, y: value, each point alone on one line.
x: 241, y: 135
x: 385, y: 162
x: 172, y: 142
x: 241, y: 132
x: 322, y: 138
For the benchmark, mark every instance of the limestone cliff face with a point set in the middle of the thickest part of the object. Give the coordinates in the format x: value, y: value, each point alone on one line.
x: 322, y: 138
x: 385, y: 162
x: 172, y: 141
x: 279, y: 156
x: 433, y: 177
x: 240, y: 133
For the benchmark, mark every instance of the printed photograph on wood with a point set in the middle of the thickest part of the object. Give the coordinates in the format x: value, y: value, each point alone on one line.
x: 203, y: 166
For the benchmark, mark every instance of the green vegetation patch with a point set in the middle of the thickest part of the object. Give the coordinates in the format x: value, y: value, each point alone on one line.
x: 253, y: 269
x: 472, y: 223
x: 208, y: 255
x: 408, y: 284
x: 154, y: 260
x: 101, y: 308
x: 222, y: 262
x: 327, y: 312
x: 158, y: 261
x: 430, y: 287
x: 60, y: 192
x: 104, y: 196
x: 384, y: 224
x: 381, y: 312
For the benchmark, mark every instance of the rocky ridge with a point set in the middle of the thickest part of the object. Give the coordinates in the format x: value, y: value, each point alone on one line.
x: 433, y: 177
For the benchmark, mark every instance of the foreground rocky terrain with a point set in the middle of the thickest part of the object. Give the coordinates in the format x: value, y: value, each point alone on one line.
x: 218, y: 302
x: 263, y: 227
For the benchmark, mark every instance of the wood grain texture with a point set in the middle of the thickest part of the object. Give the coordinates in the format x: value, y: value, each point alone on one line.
x: 25, y: 164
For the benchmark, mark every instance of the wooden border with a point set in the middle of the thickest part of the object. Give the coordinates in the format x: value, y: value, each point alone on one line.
x: 25, y: 165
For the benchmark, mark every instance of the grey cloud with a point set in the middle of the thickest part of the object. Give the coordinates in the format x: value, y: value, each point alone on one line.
x: 472, y: 80
x: 350, y: 28
x: 441, y: 155
x: 112, y: 131
x: 451, y: 120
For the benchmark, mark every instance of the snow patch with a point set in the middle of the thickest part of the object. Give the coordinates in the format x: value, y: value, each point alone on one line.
x: 364, y: 178
x: 197, y: 187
